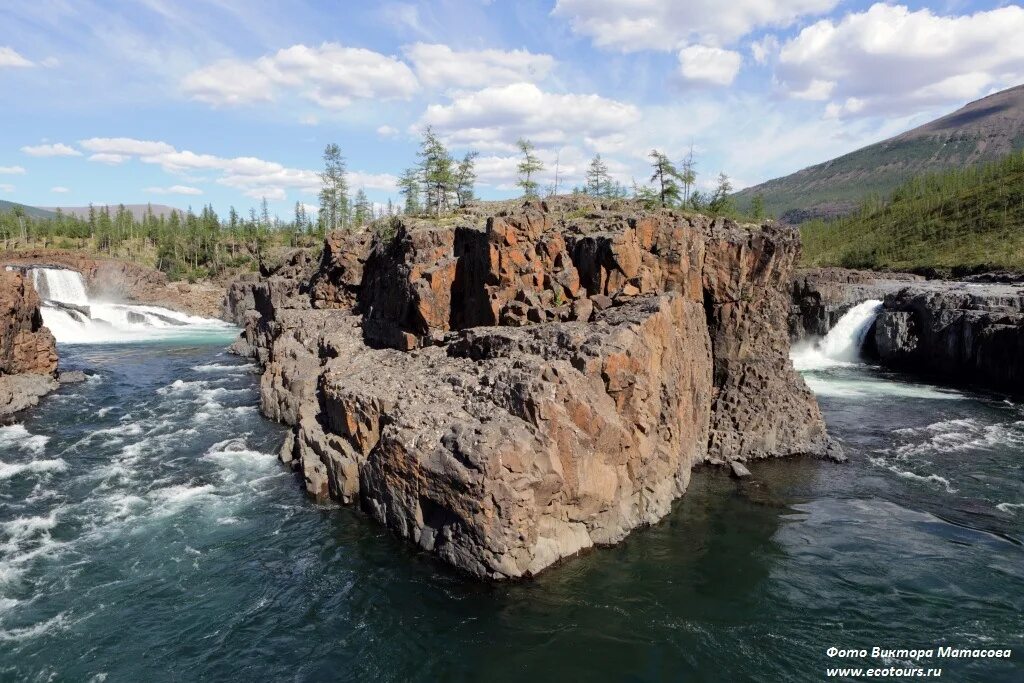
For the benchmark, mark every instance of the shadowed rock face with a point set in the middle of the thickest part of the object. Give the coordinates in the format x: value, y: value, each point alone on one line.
x: 963, y: 333
x: 28, y: 352
x: 505, y: 390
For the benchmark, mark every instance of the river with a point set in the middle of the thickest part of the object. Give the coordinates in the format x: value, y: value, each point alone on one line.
x: 148, y: 533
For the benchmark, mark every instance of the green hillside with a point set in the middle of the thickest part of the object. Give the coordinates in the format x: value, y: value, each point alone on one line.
x: 983, y: 131
x: 959, y: 221
x: 7, y: 207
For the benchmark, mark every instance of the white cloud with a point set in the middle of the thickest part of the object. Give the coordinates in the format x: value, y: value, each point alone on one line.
x: 890, y: 60
x: 309, y: 120
x: 107, y: 158
x: 494, y: 118
x: 253, y: 177
x: 712, y: 65
x: 387, y: 131
x: 12, y: 170
x: 766, y: 48
x: 6, y: 187
x: 816, y: 90
x: 9, y: 57
x: 330, y: 75
x: 173, y: 189
x: 441, y: 67
x: 669, y: 24
x: 59, y: 189
x: 125, y: 146
x: 58, y: 149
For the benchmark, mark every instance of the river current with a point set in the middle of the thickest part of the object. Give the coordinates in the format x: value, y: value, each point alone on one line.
x: 147, y: 532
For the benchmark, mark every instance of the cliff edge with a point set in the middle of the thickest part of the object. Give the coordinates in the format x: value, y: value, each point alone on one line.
x: 28, y: 352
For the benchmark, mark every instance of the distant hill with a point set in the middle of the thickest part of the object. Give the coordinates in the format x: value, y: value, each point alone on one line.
x: 137, y: 210
x: 953, y: 223
x: 32, y: 211
x: 985, y: 130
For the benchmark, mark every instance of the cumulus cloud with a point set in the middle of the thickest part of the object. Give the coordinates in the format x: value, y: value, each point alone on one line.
x: 494, y: 118
x: 9, y: 57
x: 112, y: 159
x: 891, y: 60
x: 6, y: 187
x: 669, y: 24
x: 441, y: 67
x: 252, y: 176
x: 173, y: 189
x: 58, y: 149
x: 711, y: 65
x: 12, y: 170
x: 330, y: 75
x: 387, y: 131
x: 59, y: 189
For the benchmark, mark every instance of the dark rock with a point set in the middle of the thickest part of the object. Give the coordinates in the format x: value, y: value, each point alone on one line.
x: 821, y: 296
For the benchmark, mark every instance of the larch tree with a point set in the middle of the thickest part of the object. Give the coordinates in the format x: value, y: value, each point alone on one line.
x: 599, y: 181
x: 688, y: 174
x: 363, y: 209
x: 528, y: 168
x: 436, y: 173
x: 409, y: 187
x: 465, y: 179
x: 333, y: 190
x: 665, y: 176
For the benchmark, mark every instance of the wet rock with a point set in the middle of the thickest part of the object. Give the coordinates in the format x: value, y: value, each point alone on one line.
x: 28, y: 352
x: 71, y: 377
x: 739, y: 470
x: 821, y: 296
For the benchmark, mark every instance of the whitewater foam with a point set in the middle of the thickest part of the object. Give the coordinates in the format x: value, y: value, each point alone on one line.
x: 841, y: 346
x: 17, y: 435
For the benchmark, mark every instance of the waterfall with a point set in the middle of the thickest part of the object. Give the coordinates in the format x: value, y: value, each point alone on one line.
x: 842, y: 345
x: 75, y: 318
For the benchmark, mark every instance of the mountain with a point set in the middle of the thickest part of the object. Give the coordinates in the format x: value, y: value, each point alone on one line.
x: 956, y: 222
x: 985, y: 130
x: 137, y: 210
x: 32, y: 211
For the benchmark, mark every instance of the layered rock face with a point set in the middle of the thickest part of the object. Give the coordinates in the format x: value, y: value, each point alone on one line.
x: 507, y: 390
x: 28, y: 352
x: 965, y: 333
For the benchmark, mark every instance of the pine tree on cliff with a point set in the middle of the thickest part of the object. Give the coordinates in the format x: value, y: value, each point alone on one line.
x: 409, y: 188
x: 528, y: 168
x: 465, y: 179
x: 363, y: 209
x: 666, y: 178
x: 721, y: 202
x: 599, y: 181
x: 334, y: 190
x: 688, y: 174
x: 436, y: 173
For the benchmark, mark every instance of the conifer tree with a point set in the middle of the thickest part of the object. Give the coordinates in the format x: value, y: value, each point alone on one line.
x: 334, y: 190
x: 599, y: 181
x: 465, y: 179
x: 436, y: 173
x: 665, y: 177
x: 528, y: 168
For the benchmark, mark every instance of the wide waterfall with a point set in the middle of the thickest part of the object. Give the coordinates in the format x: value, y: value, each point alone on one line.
x: 75, y: 318
x: 842, y: 345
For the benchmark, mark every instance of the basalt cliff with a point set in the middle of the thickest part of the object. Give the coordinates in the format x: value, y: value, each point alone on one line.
x: 509, y: 386
x: 28, y: 353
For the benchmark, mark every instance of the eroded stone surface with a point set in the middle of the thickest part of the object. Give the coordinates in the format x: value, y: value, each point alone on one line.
x: 28, y: 352
x: 506, y: 388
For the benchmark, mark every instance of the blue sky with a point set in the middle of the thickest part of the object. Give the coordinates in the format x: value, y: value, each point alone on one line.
x: 227, y: 101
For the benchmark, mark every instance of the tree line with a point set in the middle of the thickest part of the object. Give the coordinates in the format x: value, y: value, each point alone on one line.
x: 192, y: 245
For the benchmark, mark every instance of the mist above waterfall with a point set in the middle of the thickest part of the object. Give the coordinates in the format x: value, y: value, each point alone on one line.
x: 75, y: 318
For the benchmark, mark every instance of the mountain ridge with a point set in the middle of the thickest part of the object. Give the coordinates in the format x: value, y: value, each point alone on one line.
x: 981, y: 131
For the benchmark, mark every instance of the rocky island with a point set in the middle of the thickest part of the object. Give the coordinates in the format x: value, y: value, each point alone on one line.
x: 523, y: 381
x: 28, y: 352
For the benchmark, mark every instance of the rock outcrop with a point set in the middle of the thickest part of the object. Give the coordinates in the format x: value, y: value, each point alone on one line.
x: 957, y: 332
x: 28, y: 352
x: 821, y: 296
x: 505, y: 390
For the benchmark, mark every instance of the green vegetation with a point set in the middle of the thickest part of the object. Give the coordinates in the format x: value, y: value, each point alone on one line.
x: 971, y: 219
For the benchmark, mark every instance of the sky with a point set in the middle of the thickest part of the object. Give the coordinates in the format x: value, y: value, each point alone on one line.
x: 227, y: 102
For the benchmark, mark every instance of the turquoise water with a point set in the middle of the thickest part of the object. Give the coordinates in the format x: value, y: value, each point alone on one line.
x: 148, y: 533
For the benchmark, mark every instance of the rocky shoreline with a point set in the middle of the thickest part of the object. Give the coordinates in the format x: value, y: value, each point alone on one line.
x: 28, y: 352
x: 956, y: 332
x: 521, y: 382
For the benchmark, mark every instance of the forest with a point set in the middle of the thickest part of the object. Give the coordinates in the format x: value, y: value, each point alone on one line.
x: 194, y: 246
x: 952, y: 223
